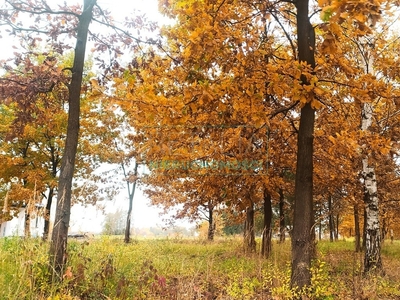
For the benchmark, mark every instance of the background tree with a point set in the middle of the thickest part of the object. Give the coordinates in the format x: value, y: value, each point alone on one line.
x: 114, y: 223
x: 74, y: 22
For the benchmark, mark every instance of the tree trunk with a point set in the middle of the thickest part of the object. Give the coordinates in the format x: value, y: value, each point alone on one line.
x: 303, y: 237
x: 372, y: 258
x: 364, y: 227
x: 282, y: 225
x: 249, y: 236
x: 357, y: 229
x: 384, y: 229
x: 58, y: 246
x: 27, y: 224
x: 54, y: 165
x: 320, y: 224
x: 266, y: 245
x: 331, y: 223
x: 336, y: 223
x: 47, y: 214
x: 211, y: 224
x: 131, y: 193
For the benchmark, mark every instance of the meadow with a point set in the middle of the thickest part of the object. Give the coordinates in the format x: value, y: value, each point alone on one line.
x: 106, y: 268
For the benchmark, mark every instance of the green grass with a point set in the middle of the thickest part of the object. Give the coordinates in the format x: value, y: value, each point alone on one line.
x: 106, y: 268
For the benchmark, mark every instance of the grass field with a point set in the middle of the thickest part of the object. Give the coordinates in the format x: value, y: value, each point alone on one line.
x: 106, y: 268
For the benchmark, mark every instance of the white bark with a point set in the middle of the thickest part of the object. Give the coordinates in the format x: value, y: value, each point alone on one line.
x: 372, y: 258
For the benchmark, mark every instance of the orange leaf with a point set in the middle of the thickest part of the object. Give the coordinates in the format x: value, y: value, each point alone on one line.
x: 68, y: 273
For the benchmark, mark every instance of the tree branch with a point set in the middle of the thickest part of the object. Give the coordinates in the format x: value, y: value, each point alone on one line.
x: 283, y: 109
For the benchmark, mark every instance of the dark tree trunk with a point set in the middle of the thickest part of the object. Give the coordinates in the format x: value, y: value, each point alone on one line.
x: 336, y: 224
x: 27, y: 216
x: 58, y: 246
x: 384, y: 230
x: 357, y: 233
x: 303, y: 236
x: 249, y: 235
x: 27, y: 223
x: 131, y: 193
x: 331, y: 222
x: 282, y: 225
x: 266, y: 245
x: 364, y: 230
x: 55, y: 160
x: 211, y: 223
x: 47, y: 214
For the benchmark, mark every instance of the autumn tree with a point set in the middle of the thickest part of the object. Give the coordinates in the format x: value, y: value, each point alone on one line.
x: 38, y: 127
x: 44, y: 135
x: 370, y: 88
x: 52, y: 23
x: 213, y: 105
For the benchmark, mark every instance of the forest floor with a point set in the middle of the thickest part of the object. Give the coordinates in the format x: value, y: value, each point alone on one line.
x: 106, y: 268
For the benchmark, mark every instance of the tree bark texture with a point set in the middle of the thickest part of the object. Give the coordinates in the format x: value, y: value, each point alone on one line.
x: 372, y: 259
x: 266, y: 245
x: 303, y: 236
x: 58, y: 246
x: 249, y: 235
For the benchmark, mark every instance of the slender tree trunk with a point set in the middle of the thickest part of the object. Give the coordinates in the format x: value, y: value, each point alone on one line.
x: 303, y: 236
x: 266, y: 245
x: 54, y: 165
x: 46, y: 228
x: 331, y: 223
x: 211, y: 223
x: 249, y: 235
x: 336, y: 223
x: 364, y: 227
x: 58, y: 246
x: 384, y: 230
x: 131, y: 193
x: 357, y: 229
x: 282, y: 225
x: 320, y: 224
x: 27, y: 223
x: 372, y: 258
